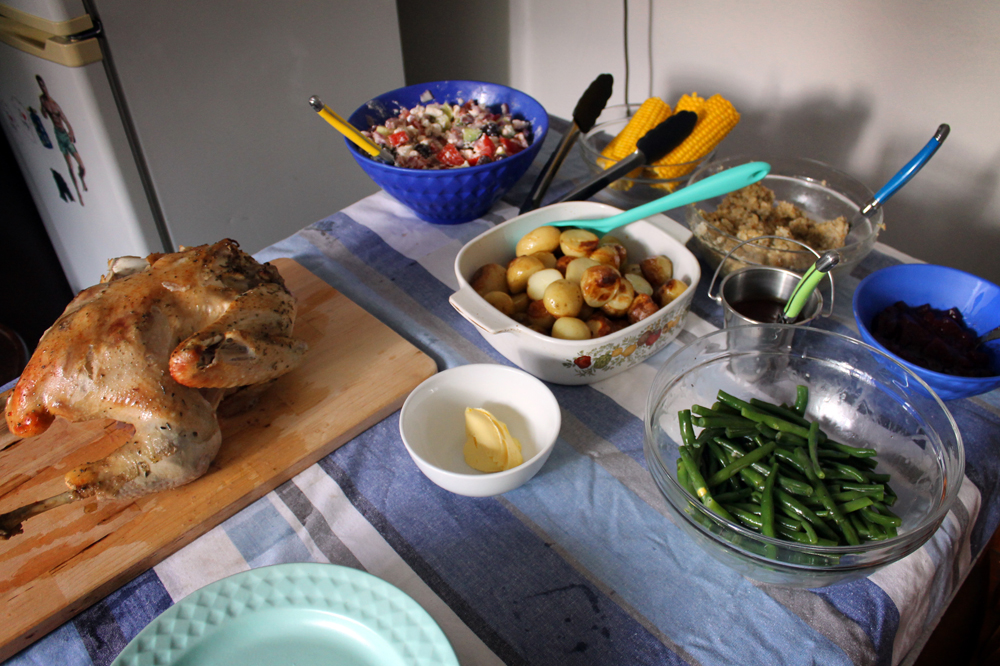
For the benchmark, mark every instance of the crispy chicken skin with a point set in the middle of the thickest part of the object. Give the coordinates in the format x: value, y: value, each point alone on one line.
x: 155, y: 345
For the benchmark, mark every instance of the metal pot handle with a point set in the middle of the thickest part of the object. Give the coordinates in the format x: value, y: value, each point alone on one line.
x: 718, y: 298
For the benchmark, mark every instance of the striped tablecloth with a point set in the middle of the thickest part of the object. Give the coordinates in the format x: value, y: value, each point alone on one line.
x: 579, y: 566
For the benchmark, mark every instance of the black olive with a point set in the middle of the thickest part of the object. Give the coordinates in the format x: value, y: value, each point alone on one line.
x: 492, y: 129
x: 424, y: 150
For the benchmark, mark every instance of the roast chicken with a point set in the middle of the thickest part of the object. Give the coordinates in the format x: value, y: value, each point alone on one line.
x: 158, y: 344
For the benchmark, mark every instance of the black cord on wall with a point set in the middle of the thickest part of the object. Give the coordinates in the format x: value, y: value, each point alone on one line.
x: 625, y: 31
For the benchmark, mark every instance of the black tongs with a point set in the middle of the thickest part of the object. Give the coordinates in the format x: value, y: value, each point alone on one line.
x: 656, y: 143
x: 584, y: 116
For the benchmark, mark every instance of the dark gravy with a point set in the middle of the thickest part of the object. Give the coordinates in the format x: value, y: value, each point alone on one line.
x: 763, y: 310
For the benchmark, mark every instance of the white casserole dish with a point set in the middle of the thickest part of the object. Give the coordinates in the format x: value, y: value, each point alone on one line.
x: 577, y: 361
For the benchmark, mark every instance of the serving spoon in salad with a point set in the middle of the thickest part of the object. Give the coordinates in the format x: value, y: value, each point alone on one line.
x: 715, y: 185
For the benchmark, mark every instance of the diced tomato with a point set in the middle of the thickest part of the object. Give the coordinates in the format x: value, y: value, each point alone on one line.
x: 449, y: 155
x: 473, y: 161
x: 485, y: 146
x: 399, y: 138
x: 512, y: 147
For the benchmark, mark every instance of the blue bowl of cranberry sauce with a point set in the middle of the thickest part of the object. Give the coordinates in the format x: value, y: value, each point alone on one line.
x: 929, y: 318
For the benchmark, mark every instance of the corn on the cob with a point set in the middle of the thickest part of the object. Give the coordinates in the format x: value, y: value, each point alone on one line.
x: 692, y: 102
x: 717, y: 119
x: 652, y: 112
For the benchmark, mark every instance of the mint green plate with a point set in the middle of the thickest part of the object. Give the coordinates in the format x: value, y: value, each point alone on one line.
x: 302, y: 614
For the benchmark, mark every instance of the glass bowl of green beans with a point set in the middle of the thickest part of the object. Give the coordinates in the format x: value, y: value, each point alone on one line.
x: 798, y: 456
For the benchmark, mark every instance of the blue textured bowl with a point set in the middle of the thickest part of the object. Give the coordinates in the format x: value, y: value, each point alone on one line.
x: 450, y: 196
x: 915, y: 284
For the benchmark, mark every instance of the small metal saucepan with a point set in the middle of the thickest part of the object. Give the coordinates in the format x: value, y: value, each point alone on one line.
x: 749, y: 295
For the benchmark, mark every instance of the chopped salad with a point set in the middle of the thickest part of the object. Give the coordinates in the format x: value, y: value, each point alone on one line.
x: 446, y: 136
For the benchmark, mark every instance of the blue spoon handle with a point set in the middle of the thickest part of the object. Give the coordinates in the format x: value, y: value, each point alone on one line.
x: 904, y: 175
x: 723, y: 182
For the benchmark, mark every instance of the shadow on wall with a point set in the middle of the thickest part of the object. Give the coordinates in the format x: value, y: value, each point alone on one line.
x: 455, y: 39
x: 942, y: 216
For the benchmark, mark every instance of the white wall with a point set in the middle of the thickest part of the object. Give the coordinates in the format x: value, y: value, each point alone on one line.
x: 861, y: 85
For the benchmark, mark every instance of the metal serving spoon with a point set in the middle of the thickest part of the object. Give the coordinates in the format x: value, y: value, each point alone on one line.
x: 723, y: 182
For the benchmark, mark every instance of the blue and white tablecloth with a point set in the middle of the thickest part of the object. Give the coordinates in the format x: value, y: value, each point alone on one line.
x: 579, y: 566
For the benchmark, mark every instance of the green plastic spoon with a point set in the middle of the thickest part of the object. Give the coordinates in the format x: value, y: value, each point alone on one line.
x: 723, y: 182
x: 808, y: 283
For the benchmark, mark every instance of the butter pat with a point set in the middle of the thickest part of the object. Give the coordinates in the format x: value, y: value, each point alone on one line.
x: 489, y: 446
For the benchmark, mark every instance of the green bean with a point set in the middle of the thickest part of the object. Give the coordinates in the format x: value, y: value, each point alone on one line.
x: 767, y: 500
x: 732, y: 401
x: 872, y: 489
x: 880, y: 519
x: 752, y: 521
x: 836, y: 470
x: 736, y: 433
x: 701, y: 490
x: 824, y: 496
x: 720, y: 421
x: 767, y: 431
x: 848, y: 495
x: 734, y: 496
x: 883, y: 509
x: 772, y: 421
x: 707, y: 434
x: 855, y: 505
x: 701, y: 410
x: 813, y: 440
x: 859, y: 526
x: 809, y: 530
x: 788, y: 457
x: 682, y: 478
x: 836, y: 455
x: 801, y: 399
x: 687, y: 431
x: 798, y: 510
x: 851, y: 450
x: 788, y: 439
x: 740, y: 463
x: 723, y: 408
x: 789, y: 415
x: 877, y: 478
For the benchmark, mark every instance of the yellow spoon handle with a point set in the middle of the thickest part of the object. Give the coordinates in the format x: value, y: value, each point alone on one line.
x: 344, y: 127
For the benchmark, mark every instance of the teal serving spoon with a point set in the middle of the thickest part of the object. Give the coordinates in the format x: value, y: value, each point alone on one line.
x: 723, y: 182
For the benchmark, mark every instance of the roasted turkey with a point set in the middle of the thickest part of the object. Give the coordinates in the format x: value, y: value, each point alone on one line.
x: 157, y: 344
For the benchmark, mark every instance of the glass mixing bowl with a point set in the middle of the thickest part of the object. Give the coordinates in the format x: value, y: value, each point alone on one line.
x: 819, y: 190
x: 861, y: 398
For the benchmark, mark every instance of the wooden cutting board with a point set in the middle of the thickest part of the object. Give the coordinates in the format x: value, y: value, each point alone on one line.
x: 357, y: 372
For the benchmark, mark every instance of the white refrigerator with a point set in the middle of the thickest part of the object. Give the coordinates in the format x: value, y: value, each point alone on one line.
x: 144, y: 126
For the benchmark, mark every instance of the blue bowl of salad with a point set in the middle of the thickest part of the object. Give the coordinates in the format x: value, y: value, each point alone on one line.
x: 459, y: 145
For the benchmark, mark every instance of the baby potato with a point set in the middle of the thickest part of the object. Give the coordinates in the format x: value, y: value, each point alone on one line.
x: 547, y: 258
x: 491, y: 277
x: 657, y: 270
x: 540, y: 280
x: 577, y: 242
x: 563, y: 263
x: 500, y: 301
x: 632, y: 269
x: 519, y: 270
x: 520, y: 301
x: 542, y: 239
x: 538, y: 317
x: 666, y: 293
x: 576, y: 267
x: 618, y: 306
x: 570, y: 328
x: 607, y: 255
x: 599, y: 285
x: 642, y: 307
x: 608, y: 239
x: 640, y: 284
x: 599, y: 325
x: 563, y: 298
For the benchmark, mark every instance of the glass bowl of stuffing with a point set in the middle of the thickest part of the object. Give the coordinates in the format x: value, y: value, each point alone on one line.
x: 803, y: 199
